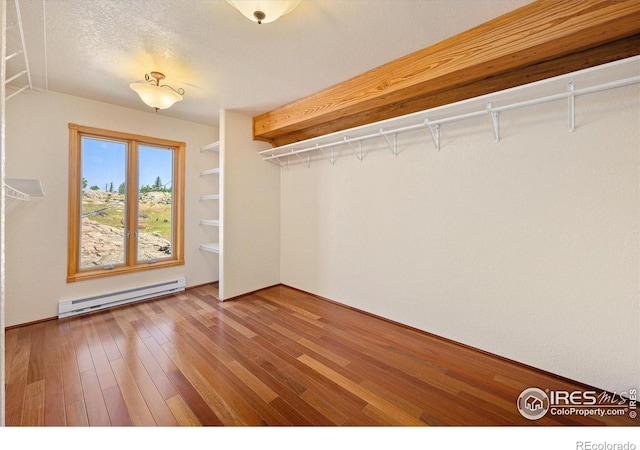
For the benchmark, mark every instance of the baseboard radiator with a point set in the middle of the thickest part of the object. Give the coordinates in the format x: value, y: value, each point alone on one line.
x: 86, y: 305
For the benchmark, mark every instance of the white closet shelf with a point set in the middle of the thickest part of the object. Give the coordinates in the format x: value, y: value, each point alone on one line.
x: 21, y: 190
x: 594, y: 79
x: 16, y: 194
x: 14, y: 197
x: 213, y: 147
x: 213, y: 171
x: 213, y: 247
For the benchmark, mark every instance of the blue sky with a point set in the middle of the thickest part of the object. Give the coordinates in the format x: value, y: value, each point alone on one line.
x: 104, y: 162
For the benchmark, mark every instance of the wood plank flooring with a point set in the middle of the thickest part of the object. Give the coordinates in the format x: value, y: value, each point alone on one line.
x: 275, y: 357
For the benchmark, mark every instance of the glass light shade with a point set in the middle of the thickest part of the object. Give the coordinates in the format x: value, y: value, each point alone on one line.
x: 272, y: 9
x: 157, y: 97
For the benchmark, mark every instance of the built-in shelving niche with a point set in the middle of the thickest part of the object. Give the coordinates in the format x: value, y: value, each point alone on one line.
x: 214, y: 171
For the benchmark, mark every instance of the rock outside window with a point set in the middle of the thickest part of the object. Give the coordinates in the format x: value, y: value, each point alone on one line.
x: 126, y: 203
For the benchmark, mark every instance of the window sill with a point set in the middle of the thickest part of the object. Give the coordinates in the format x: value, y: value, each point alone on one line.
x: 90, y: 274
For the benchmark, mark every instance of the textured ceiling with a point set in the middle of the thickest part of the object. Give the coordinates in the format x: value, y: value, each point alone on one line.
x: 95, y: 48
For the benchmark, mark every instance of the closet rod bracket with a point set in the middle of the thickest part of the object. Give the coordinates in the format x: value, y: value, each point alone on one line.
x: 357, y: 152
x: 392, y: 143
x: 572, y: 106
x: 434, y: 130
x: 495, y: 123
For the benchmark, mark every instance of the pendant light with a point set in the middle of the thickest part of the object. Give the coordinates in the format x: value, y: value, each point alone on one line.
x: 263, y: 11
x: 155, y: 95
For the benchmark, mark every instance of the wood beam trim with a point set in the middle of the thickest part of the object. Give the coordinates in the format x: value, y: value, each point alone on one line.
x: 541, y: 32
x: 603, y: 54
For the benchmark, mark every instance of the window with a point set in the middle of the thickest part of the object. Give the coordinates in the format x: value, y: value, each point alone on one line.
x: 126, y: 203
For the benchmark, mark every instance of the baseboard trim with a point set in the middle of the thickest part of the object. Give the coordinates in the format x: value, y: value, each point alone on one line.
x: 195, y: 286
x: 46, y: 319
x: 452, y: 342
x: 238, y: 297
x: 33, y: 322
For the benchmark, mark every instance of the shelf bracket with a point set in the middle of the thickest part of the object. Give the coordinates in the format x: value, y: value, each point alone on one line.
x: 332, y: 158
x: 279, y: 162
x: 393, y: 143
x: 14, y: 93
x: 495, y: 115
x: 18, y: 75
x: 434, y: 130
x: 308, y: 159
x: 14, y: 54
x: 358, y: 152
x: 291, y: 153
x: 572, y: 107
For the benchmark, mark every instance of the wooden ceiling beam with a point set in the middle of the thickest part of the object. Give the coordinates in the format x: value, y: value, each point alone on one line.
x: 540, y: 40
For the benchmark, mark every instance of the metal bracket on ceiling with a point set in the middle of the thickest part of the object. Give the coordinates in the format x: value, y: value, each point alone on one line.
x: 434, y: 130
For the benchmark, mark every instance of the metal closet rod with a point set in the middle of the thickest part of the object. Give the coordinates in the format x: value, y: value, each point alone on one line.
x: 426, y: 122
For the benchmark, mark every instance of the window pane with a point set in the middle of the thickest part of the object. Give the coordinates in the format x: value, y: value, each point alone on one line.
x: 103, y: 203
x: 155, y: 207
x: 127, y: 203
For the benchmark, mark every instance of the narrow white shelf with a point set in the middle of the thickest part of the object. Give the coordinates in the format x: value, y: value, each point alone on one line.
x: 214, y: 248
x: 210, y: 171
x: 14, y: 198
x: 213, y: 147
x: 20, y: 190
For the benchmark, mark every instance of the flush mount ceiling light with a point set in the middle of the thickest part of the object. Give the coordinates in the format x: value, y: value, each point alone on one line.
x: 154, y: 94
x: 263, y: 11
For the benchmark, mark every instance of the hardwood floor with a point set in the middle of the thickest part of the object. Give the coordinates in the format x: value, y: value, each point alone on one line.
x: 275, y: 357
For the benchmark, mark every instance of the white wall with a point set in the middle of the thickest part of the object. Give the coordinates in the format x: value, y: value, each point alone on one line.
x: 3, y: 50
x: 528, y: 248
x: 36, y: 249
x: 250, y: 210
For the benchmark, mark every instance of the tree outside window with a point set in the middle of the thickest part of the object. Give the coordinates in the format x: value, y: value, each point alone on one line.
x: 139, y: 226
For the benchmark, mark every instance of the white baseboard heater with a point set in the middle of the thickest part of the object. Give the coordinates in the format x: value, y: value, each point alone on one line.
x: 69, y: 308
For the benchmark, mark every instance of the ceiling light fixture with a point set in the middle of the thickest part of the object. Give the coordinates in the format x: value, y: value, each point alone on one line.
x: 154, y: 94
x: 263, y: 11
